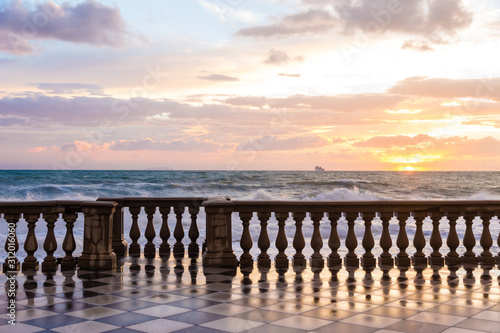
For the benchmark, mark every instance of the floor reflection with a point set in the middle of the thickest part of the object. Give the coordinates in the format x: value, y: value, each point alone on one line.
x: 180, y: 292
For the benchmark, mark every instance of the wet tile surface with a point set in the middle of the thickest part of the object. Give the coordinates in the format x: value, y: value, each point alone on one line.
x: 181, y: 296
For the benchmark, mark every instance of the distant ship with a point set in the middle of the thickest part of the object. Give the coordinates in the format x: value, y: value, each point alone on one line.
x: 318, y: 168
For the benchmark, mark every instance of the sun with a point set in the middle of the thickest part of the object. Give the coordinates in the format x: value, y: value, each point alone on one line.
x: 408, y: 168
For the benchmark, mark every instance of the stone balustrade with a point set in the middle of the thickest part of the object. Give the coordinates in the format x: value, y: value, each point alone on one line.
x: 150, y: 206
x: 104, y: 232
x: 347, y: 213
x: 97, y: 247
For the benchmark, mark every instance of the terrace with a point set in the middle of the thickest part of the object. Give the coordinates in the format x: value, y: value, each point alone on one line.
x: 314, y: 266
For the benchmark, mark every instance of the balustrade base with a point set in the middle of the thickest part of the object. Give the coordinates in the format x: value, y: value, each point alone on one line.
x: 220, y: 260
x: 179, y: 250
x: 68, y: 265
x: 149, y: 251
x: 97, y: 261
x: 453, y: 261
x: 335, y: 261
x: 193, y: 249
x: 470, y: 260
x: 164, y: 251
x: 120, y: 248
x: 30, y: 266
x: 419, y: 261
x: 368, y: 262
x: 246, y: 262
x: 7, y: 268
x: 436, y: 261
x: 487, y: 261
x: 134, y: 250
x: 317, y: 262
x: 264, y: 261
x: 49, y: 266
x: 299, y: 262
x: 386, y: 261
x: 403, y: 262
x: 351, y: 262
x: 281, y: 262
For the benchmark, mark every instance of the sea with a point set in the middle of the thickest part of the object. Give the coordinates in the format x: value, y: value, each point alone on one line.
x: 35, y: 185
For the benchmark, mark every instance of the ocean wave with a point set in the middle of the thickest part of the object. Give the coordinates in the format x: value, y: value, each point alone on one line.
x: 345, y: 194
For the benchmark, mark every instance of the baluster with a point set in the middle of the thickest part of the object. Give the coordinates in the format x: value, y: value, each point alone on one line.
x: 11, y: 247
x: 368, y: 260
x: 246, y: 242
x: 317, y: 241
x: 418, y: 259
x: 498, y: 241
x: 150, y: 233
x: 69, y: 245
x: 452, y: 258
x: 402, y: 242
x: 298, y: 240
x: 436, y: 241
x: 385, y: 258
x: 486, y: 241
x: 281, y: 260
x: 469, y: 241
x: 179, y: 230
x: 30, y: 263
x: 193, y: 233
x: 334, y: 241
x: 351, y: 259
x: 135, y: 233
x: 49, y: 264
x: 263, y: 259
x: 164, y: 232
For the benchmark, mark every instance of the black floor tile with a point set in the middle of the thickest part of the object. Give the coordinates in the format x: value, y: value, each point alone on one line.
x: 195, y: 317
x: 54, y: 321
x: 194, y: 303
x: 131, y: 305
x: 66, y: 307
x: 126, y: 319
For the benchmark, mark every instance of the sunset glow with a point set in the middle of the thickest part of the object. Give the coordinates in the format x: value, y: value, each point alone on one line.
x: 250, y: 85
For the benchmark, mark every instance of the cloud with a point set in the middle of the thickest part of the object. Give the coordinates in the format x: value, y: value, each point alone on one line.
x: 174, y: 145
x: 270, y: 143
x: 218, y: 77
x: 308, y: 22
x: 228, y: 12
x: 82, y: 146
x: 276, y: 57
x: 88, y: 22
x: 419, y: 45
x: 11, y: 121
x: 417, y: 17
x: 429, y: 19
x: 289, y: 75
x: 422, y: 149
x: 80, y: 111
x: 394, y: 141
x: 343, y: 103
x: 36, y: 149
x: 488, y: 88
x: 69, y: 88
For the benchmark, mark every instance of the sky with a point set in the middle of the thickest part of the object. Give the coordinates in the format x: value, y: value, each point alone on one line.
x: 250, y: 85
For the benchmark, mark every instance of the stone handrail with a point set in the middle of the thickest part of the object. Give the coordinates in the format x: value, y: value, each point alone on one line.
x: 104, y: 232
x: 97, y: 248
x: 220, y: 252
x: 151, y: 205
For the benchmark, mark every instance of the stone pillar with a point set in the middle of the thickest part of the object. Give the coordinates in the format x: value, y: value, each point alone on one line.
x: 120, y: 245
x: 219, y: 252
x: 98, y: 235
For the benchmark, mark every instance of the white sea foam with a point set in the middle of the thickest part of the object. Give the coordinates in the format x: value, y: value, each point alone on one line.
x: 345, y: 194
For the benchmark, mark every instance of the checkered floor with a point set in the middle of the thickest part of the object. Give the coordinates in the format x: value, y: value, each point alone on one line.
x: 179, y: 296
